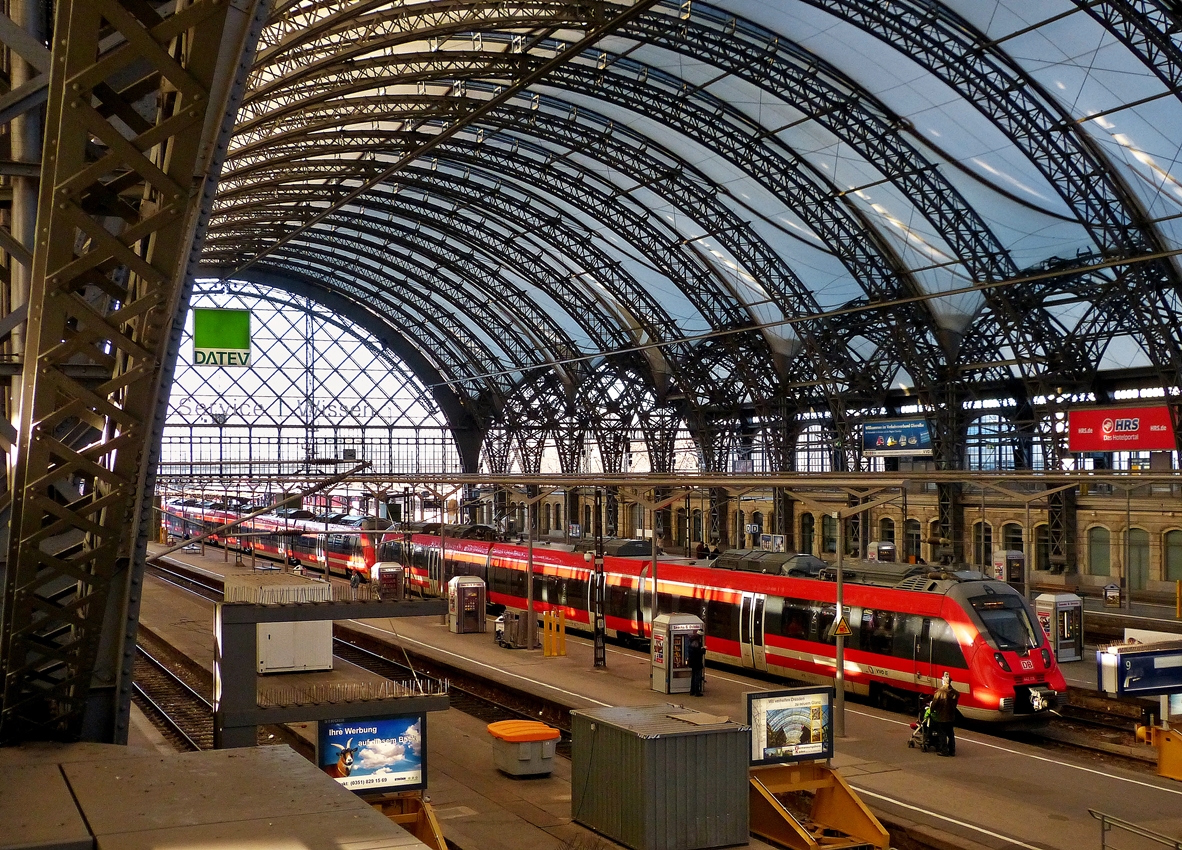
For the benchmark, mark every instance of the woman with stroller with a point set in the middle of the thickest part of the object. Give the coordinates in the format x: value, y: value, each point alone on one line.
x: 944, y: 716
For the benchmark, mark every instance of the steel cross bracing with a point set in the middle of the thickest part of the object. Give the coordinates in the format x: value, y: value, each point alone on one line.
x: 518, y: 209
x: 133, y: 129
x: 1151, y: 29
x: 660, y: 246
x: 826, y: 96
x: 472, y: 232
x: 966, y: 60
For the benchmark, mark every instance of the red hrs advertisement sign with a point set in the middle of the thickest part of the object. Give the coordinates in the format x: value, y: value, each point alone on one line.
x: 1121, y: 429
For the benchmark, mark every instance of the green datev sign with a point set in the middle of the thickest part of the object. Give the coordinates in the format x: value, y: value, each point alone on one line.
x: 221, y: 337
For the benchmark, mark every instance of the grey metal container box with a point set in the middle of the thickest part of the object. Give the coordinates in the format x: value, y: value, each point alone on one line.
x: 524, y: 758
x: 651, y: 781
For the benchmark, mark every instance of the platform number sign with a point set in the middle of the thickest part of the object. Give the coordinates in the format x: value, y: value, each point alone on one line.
x: 221, y: 337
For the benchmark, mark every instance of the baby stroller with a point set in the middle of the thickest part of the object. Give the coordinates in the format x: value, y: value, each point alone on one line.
x: 923, y: 733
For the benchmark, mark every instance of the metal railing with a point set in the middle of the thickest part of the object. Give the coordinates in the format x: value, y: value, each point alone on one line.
x: 1108, y: 824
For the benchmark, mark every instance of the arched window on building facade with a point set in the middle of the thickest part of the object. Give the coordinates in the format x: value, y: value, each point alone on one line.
x: 1172, y: 556
x: 829, y: 534
x: 757, y: 524
x: 886, y: 530
x: 1138, y: 571
x: 697, y: 533
x: 546, y: 517
x: 1011, y: 535
x: 1099, y: 551
x: 982, y: 544
x: 1042, y: 548
x: 912, y: 540
x: 808, y: 530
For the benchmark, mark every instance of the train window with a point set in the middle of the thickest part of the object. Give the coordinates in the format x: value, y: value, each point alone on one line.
x: 794, y: 619
x: 908, y: 635
x: 576, y: 593
x: 722, y: 620
x: 823, y: 616
x: 499, y: 579
x: 878, y: 630
x: 621, y: 600
x: 771, y: 615
x: 690, y: 605
x: 946, y: 652
x: 1006, y: 621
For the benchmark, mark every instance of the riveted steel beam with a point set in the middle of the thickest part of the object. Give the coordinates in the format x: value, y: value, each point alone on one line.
x: 132, y: 138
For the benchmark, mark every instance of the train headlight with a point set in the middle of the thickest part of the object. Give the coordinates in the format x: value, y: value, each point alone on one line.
x: 1046, y: 658
x: 1001, y: 662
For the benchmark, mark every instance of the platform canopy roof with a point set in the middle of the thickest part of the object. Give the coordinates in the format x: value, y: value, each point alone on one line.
x: 743, y: 205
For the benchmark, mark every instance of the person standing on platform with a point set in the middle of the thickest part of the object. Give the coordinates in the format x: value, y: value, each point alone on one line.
x: 355, y: 582
x: 697, y: 663
x: 944, y: 715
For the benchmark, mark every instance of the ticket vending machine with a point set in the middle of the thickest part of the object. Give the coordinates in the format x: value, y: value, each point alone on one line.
x: 670, y: 651
x: 390, y: 579
x: 466, y: 599
x: 1061, y: 617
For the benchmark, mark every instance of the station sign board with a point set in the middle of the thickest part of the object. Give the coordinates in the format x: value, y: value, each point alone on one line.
x: 792, y: 725
x: 221, y: 337
x: 896, y: 438
x: 1142, y: 670
x: 1121, y: 429
x: 375, y: 754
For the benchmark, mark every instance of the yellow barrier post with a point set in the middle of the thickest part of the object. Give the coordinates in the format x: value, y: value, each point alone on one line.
x: 545, y: 634
x: 1178, y: 599
x: 562, y: 631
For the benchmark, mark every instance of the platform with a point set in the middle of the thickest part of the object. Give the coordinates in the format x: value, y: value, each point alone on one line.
x: 994, y: 793
x: 82, y: 796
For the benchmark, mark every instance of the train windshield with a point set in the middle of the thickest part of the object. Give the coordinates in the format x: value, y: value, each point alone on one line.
x: 1006, y: 620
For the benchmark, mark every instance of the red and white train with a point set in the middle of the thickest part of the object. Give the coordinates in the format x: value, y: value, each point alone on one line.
x: 338, y: 544
x: 904, y: 638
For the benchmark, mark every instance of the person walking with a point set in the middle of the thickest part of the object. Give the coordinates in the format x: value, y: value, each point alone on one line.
x: 944, y: 715
x: 697, y: 663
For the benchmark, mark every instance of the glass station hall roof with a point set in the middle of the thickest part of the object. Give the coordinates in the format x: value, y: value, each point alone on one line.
x: 732, y: 203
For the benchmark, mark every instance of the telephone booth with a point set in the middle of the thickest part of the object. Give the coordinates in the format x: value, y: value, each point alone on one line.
x: 1061, y: 617
x: 466, y: 597
x: 670, y: 652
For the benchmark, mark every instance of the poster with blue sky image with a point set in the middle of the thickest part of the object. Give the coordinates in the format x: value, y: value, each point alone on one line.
x: 374, y: 754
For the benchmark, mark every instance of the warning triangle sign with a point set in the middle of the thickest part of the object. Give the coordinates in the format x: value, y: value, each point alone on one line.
x: 841, y: 628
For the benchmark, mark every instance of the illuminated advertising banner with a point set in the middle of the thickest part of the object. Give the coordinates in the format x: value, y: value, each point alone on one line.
x: 896, y: 438
x: 1121, y: 429
x: 791, y: 726
x: 375, y: 754
x: 221, y: 337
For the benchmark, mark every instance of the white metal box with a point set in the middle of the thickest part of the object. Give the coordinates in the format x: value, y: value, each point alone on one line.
x: 286, y: 647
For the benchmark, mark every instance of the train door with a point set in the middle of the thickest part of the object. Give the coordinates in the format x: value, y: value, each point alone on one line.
x: 435, y: 570
x: 644, y: 604
x: 751, y: 630
x: 920, y: 629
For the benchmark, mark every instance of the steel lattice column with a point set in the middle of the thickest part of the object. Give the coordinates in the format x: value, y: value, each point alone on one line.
x: 135, y: 127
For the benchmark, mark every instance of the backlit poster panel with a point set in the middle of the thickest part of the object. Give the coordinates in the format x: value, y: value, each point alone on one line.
x: 375, y: 754
x: 790, y: 726
x: 1121, y: 429
x: 221, y: 337
x: 896, y: 438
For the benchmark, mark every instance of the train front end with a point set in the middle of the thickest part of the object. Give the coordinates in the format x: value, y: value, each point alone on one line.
x: 1013, y: 672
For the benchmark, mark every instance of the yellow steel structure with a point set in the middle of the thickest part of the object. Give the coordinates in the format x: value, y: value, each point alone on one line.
x: 138, y: 113
x: 837, y: 818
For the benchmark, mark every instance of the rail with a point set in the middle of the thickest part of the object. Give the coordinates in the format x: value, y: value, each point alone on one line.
x: 1108, y: 823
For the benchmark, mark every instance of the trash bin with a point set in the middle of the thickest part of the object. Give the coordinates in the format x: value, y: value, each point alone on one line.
x: 523, y: 747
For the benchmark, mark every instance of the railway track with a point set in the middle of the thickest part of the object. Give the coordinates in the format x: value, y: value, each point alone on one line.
x: 183, y: 715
